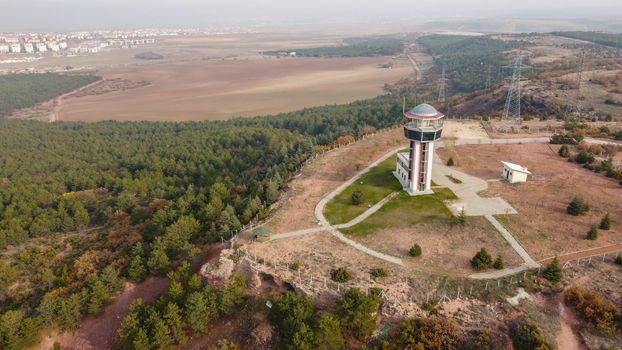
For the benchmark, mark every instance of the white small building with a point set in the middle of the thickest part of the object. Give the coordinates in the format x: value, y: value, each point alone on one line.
x: 4, y: 48
x: 41, y: 47
x: 29, y: 48
x: 16, y: 48
x: 514, y: 173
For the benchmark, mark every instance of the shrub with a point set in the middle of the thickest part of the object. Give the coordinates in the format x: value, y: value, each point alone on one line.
x: 618, y: 260
x: 415, y: 251
x: 379, y: 272
x: 295, y: 266
x: 433, y: 333
x: 341, y: 275
x: 584, y: 157
x: 357, y: 197
x: 553, y: 272
x: 605, y: 222
x: 592, y: 234
x: 528, y: 337
x: 459, y: 219
x: 562, y: 139
x: 482, y: 260
x: 499, y: 264
x: 431, y: 306
x: 450, y: 161
x: 357, y: 312
x: 594, y: 307
x: 578, y: 206
x: 564, y: 151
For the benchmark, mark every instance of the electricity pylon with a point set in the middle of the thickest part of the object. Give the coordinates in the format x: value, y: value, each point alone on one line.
x: 512, y: 112
x: 442, y: 89
x: 579, y: 83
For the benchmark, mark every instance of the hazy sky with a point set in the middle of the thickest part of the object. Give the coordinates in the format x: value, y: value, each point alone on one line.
x: 112, y: 14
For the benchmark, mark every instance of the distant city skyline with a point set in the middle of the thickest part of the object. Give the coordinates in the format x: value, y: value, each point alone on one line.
x: 75, y: 15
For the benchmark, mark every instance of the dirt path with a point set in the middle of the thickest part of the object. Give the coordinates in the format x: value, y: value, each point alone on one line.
x: 596, y: 252
x: 567, y: 339
x: 101, y: 332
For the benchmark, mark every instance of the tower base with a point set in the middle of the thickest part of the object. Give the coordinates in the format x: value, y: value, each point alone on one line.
x: 406, y: 187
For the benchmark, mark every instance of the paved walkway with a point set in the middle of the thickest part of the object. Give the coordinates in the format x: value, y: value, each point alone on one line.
x: 374, y: 208
x: 319, y: 213
x: 467, y: 191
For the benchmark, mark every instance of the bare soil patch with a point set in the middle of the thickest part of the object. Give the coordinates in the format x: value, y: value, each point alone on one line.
x: 542, y: 225
x: 209, y: 89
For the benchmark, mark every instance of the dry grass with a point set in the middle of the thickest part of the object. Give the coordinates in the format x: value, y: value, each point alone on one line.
x: 542, y: 225
x: 201, y: 90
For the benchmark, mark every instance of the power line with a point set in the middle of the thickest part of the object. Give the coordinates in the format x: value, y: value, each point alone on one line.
x: 579, y: 83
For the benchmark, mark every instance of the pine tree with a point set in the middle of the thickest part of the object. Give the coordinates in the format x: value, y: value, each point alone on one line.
x: 329, y: 334
x: 499, y: 264
x: 137, y: 271
x: 141, y: 341
x: 578, y: 206
x: 158, y: 261
x: 564, y: 151
x: 194, y: 283
x: 553, y: 272
x: 198, y: 312
x: 592, y: 234
x: 415, y: 250
x: 98, y: 297
x: 172, y: 316
x: 605, y: 222
x: 481, y: 260
x: 161, y: 335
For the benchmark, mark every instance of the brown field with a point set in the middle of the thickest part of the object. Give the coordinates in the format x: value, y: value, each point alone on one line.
x: 200, y: 90
x: 542, y: 225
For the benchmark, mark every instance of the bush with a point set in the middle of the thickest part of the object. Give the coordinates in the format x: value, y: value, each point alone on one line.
x: 432, y: 307
x: 592, y: 234
x: 482, y: 260
x: 618, y: 260
x: 553, y: 272
x: 528, y: 337
x: 295, y: 266
x: 357, y: 197
x: 558, y: 139
x: 594, y: 307
x: 433, y: 333
x: 341, y: 275
x: 357, y: 312
x: 459, y: 219
x: 415, y: 251
x: 499, y: 264
x: 450, y: 161
x: 584, y: 157
x: 605, y: 222
x: 564, y: 151
x: 379, y: 272
x: 578, y: 206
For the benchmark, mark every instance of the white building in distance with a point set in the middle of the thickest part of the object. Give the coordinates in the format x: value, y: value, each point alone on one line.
x: 16, y: 48
x: 514, y: 173
x: 41, y: 47
x: 4, y: 48
x: 29, y: 48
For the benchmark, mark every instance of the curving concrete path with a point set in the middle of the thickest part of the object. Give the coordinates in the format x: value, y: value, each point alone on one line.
x: 469, y: 200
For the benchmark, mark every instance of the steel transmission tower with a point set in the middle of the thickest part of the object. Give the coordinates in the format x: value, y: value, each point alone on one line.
x: 579, y: 83
x: 512, y: 113
x: 442, y: 90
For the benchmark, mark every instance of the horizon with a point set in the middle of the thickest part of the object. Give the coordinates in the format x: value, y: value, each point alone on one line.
x: 74, y: 15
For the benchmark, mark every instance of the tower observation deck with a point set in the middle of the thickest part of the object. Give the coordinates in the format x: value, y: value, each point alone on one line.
x: 423, y: 125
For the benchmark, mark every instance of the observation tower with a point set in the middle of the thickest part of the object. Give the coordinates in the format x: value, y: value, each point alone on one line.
x: 423, y: 125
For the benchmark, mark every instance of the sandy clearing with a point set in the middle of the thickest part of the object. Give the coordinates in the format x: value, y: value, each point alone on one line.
x: 200, y: 90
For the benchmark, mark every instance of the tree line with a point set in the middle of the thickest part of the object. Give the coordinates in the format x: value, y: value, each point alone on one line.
x: 469, y: 60
x: 352, y: 47
x: 26, y: 90
x: 152, y: 194
x: 602, y: 38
